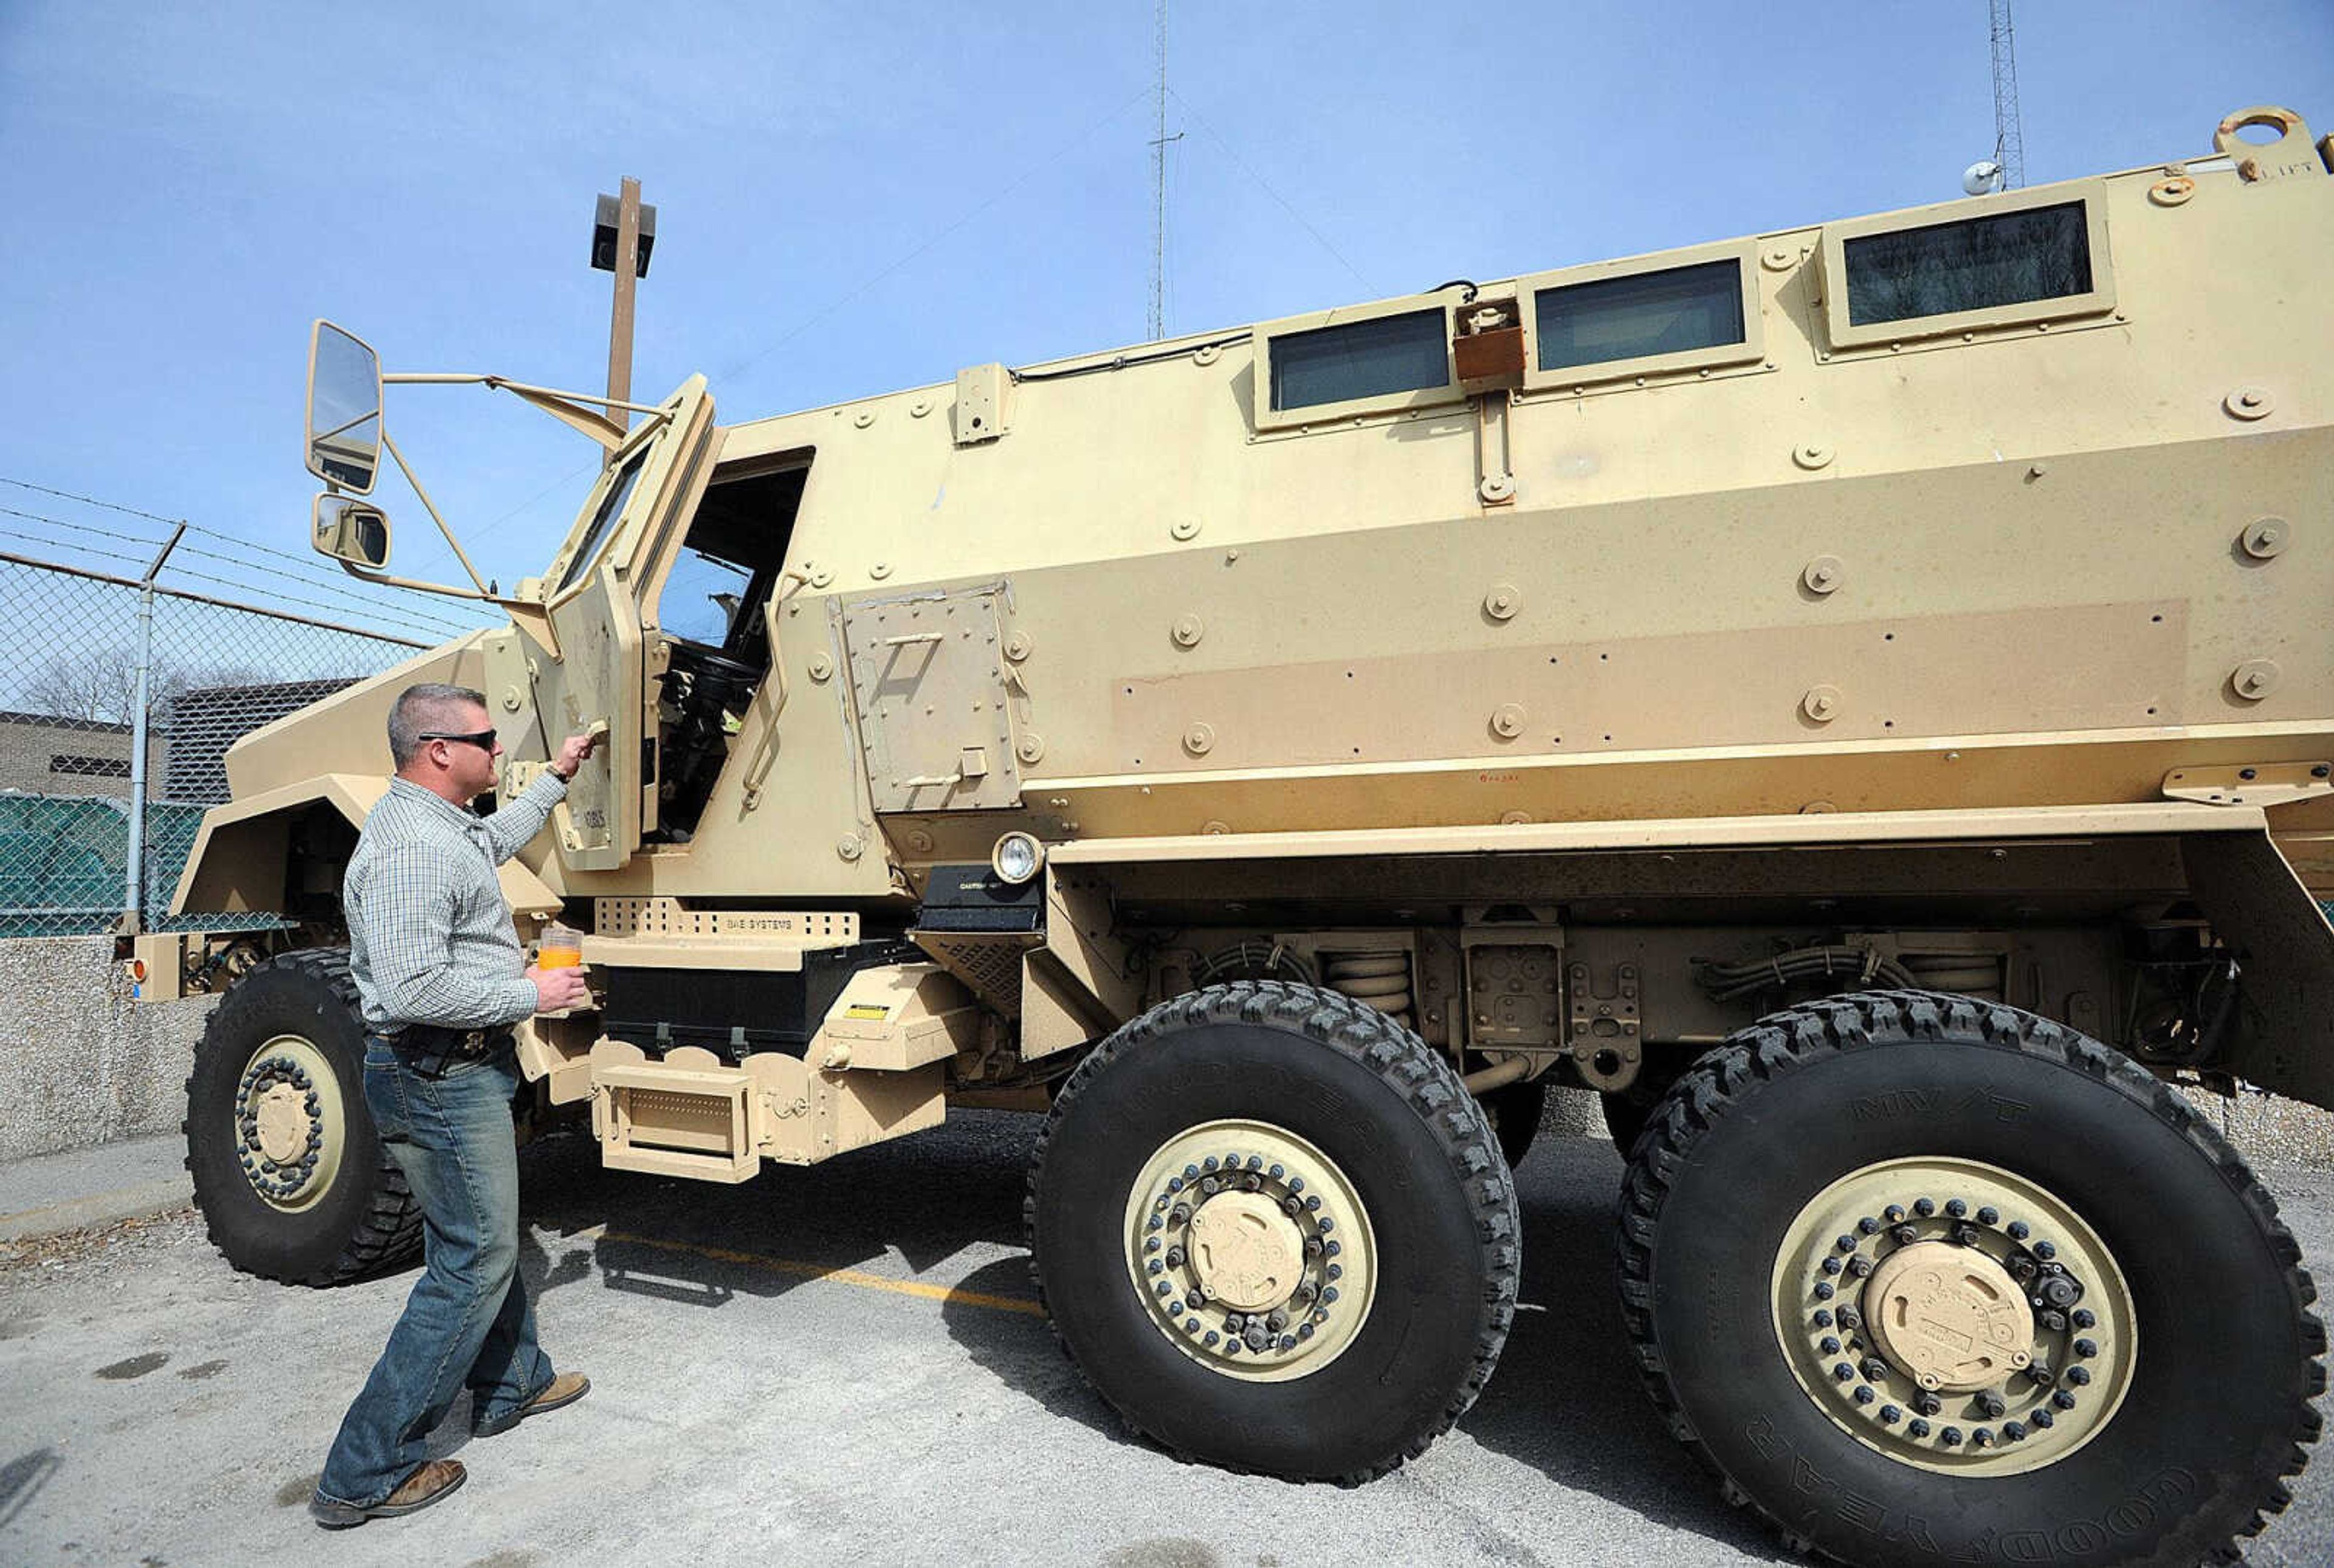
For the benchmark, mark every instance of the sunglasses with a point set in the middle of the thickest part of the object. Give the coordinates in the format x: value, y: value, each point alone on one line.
x: 484, y: 739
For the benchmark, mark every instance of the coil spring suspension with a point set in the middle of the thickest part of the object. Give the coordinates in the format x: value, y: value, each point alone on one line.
x: 1379, y: 979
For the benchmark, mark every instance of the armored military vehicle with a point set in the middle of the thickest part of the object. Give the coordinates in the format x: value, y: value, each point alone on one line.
x: 1858, y: 696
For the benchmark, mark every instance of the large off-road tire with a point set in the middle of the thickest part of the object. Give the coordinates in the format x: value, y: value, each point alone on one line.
x: 1363, y: 1258
x: 1785, y: 1321
x: 286, y: 1167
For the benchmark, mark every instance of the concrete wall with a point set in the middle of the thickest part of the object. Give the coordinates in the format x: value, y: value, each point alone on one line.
x: 80, y: 1063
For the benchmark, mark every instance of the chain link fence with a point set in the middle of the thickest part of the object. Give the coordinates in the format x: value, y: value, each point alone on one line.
x: 94, y: 825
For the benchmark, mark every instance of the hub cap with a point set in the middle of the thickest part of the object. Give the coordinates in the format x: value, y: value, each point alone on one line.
x: 1250, y: 1250
x: 290, y: 1125
x: 1954, y: 1316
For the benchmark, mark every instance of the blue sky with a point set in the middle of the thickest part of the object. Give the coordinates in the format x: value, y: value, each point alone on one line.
x: 857, y: 197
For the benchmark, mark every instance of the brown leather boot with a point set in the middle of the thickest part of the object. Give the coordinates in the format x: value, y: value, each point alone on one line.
x: 561, y: 1391
x: 432, y: 1480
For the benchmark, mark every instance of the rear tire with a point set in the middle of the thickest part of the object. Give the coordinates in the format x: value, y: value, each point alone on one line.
x: 286, y: 1167
x: 1396, y: 1273
x: 2174, y: 1381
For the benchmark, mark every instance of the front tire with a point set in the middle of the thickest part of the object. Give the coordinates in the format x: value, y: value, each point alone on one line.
x: 287, y: 1169
x: 2092, y: 1345
x: 1341, y: 1228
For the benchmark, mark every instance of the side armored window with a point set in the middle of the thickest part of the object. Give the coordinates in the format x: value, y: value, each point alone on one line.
x: 1977, y: 264
x: 1674, y: 311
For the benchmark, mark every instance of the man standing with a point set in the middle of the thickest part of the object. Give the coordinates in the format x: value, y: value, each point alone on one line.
x: 438, y: 968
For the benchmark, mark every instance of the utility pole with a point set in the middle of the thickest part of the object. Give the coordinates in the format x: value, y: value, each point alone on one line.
x: 623, y: 227
x: 2009, y: 142
x: 1159, y: 141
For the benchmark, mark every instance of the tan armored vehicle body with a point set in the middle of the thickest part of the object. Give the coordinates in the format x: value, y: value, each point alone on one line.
x: 1855, y: 695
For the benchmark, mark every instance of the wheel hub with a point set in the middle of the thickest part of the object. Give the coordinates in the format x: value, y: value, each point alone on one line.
x: 1250, y: 1250
x: 1948, y: 1317
x: 1245, y: 1252
x: 289, y: 1126
x: 1954, y: 1316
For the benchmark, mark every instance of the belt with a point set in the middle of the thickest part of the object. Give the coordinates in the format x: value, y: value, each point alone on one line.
x: 431, y: 1040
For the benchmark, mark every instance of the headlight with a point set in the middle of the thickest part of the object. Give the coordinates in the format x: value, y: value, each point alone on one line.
x: 1017, y: 858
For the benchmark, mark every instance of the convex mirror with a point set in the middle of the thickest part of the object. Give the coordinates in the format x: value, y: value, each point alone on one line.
x: 343, y: 410
x: 352, y: 531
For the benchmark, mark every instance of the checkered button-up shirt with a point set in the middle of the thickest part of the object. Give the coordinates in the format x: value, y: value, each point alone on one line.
x: 430, y: 940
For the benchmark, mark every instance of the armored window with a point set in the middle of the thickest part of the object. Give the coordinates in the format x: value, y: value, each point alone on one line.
x: 612, y: 507
x: 1410, y: 352
x: 1672, y: 312
x: 2015, y: 259
x: 1975, y: 265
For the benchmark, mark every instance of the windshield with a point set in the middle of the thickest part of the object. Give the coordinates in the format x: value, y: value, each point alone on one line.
x: 612, y: 507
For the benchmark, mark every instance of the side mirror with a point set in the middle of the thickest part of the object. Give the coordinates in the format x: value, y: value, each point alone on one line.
x: 351, y: 531
x: 343, y: 410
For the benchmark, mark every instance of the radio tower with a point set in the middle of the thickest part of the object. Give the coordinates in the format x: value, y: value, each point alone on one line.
x: 1159, y: 141
x: 2009, y: 145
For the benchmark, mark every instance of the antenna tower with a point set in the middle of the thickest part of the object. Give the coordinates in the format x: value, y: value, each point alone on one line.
x: 2009, y: 144
x: 1159, y: 141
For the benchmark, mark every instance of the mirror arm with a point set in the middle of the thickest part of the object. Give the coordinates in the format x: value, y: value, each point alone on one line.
x: 431, y: 506
x: 570, y: 409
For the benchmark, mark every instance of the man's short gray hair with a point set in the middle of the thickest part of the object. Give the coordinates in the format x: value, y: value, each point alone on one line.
x: 431, y: 706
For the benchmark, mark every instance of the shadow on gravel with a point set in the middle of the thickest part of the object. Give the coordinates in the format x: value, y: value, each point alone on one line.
x: 1565, y: 1399
x: 1565, y: 1402
x: 22, y: 1478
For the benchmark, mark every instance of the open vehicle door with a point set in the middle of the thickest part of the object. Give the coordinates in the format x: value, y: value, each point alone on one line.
x: 591, y: 597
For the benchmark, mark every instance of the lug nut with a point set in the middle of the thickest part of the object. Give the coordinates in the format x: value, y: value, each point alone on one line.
x: 1823, y: 1317
x: 2063, y: 1400
x: 1194, y: 1300
x: 1256, y: 1162
x: 1252, y: 1183
x: 1314, y: 1202
x: 1276, y: 1321
x: 1174, y: 1184
x: 1209, y: 1163
x: 1291, y: 1206
x: 1967, y: 1235
x: 1295, y: 1184
x: 1828, y: 1345
x: 1951, y: 1437
x: 1164, y: 1289
x: 1289, y: 1341
x: 1832, y: 1266
x: 1868, y: 1225
x: 1890, y: 1414
x: 1844, y: 1372
x: 1846, y: 1243
x: 1919, y: 1428
x: 2087, y: 1348
x: 1208, y: 1338
x: 1893, y: 1213
x: 1956, y: 1207
x: 1924, y: 1207
x: 1860, y: 1266
x: 1863, y: 1394
x: 1906, y: 1235
x: 1191, y: 1325
x: 2044, y: 1249
x: 1993, y: 1405
x: 2018, y: 1230
x: 2055, y: 1321
x: 1330, y: 1247
x: 2079, y: 1375
x: 1190, y: 1173
x: 1823, y: 1290
x: 2041, y: 1374
x: 2042, y: 1418
x: 1312, y: 1247
x: 1335, y: 1271
x: 1209, y: 1187
x: 1277, y: 1172
x: 1989, y: 1215
x: 1180, y: 1213
x: 1874, y: 1367
x: 1981, y: 1439
x: 1330, y: 1295
x: 2084, y: 1318
x: 2015, y: 1431
x: 1327, y: 1225
x: 1928, y: 1404
x: 1303, y: 1331
x: 1849, y: 1318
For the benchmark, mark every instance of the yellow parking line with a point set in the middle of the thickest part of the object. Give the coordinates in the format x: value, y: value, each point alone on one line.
x: 947, y: 1295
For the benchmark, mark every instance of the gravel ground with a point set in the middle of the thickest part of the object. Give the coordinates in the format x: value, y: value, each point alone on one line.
x: 830, y: 1366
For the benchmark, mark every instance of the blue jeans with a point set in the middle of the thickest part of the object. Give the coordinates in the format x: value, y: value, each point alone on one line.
x: 468, y: 1323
